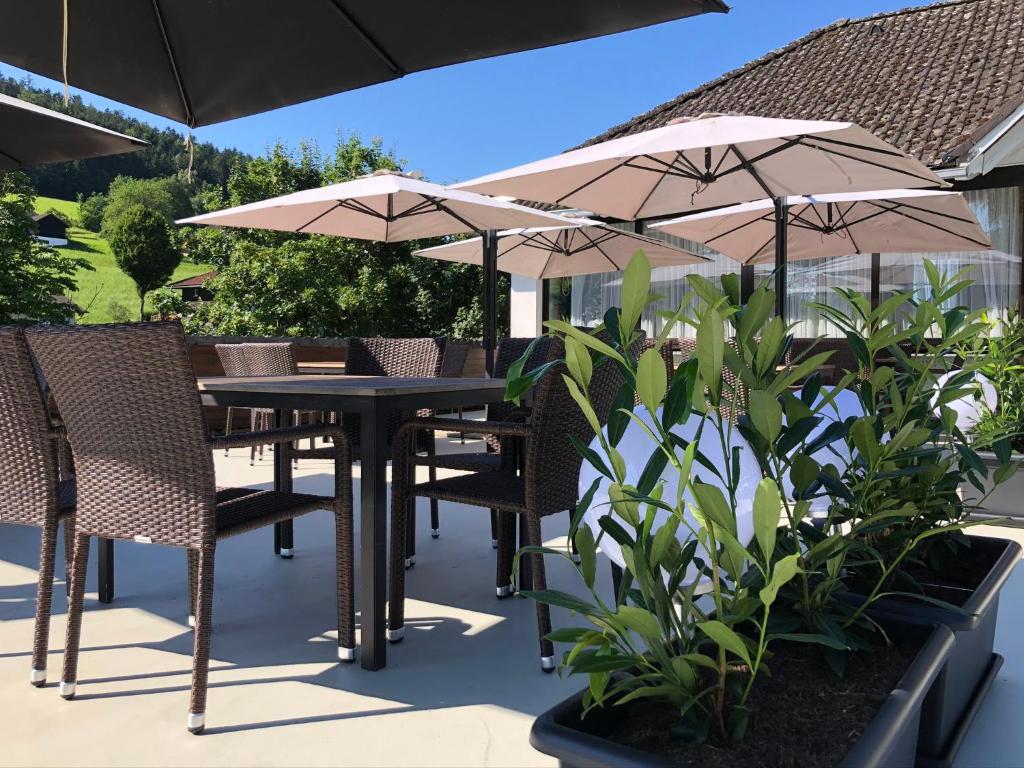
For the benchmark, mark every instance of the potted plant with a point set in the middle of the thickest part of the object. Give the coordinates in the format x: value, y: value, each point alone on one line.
x: 705, y: 611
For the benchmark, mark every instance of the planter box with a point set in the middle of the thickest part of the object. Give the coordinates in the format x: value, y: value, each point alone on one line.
x: 1007, y: 500
x: 890, y: 739
x: 972, y: 667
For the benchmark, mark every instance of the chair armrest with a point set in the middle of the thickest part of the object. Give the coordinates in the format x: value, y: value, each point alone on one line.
x: 282, y: 435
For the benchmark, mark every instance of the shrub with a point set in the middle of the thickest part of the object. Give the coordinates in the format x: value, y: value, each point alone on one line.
x: 142, y: 247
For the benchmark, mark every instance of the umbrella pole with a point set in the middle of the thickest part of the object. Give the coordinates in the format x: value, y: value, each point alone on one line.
x: 746, y: 282
x: 781, y: 238
x: 876, y: 279
x: 490, y: 265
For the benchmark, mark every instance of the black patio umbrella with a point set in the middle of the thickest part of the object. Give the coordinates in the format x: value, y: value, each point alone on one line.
x: 204, y: 61
x: 33, y: 135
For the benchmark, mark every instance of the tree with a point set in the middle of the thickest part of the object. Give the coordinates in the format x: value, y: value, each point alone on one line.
x: 31, y: 273
x: 142, y: 246
x: 90, y: 211
x: 170, y: 197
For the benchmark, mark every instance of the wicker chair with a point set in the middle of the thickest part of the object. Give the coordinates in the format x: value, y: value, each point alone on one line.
x: 32, y: 490
x: 546, y: 486
x: 232, y: 360
x: 509, y: 350
x: 129, y: 401
x: 275, y: 358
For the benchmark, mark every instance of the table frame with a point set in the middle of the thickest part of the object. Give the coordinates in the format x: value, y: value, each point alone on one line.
x: 373, y: 409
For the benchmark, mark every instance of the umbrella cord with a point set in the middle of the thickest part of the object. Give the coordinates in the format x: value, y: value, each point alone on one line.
x: 64, y: 54
x: 191, y: 146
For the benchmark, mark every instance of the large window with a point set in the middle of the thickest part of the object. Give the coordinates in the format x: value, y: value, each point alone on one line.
x: 996, y: 273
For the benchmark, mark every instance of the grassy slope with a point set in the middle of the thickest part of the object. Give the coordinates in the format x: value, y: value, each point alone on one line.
x: 107, y: 284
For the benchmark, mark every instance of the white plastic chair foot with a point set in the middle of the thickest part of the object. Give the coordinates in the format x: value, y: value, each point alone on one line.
x: 37, y: 677
x: 494, y: 543
x: 196, y: 722
x: 287, y: 553
x: 576, y: 558
x: 67, y: 690
x: 396, y: 635
x: 346, y: 654
x: 435, y: 533
x: 547, y: 663
x: 410, y: 561
x: 504, y: 591
x: 192, y: 620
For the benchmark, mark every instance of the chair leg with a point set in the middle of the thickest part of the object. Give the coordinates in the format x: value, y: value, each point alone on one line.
x: 410, y: 532
x: 494, y: 529
x: 227, y: 426
x: 540, y: 583
x: 201, y: 640
x: 345, y: 557
x: 79, y: 561
x: 462, y: 435
x: 69, y: 551
x: 435, y: 517
x: 44, y: 601
x: 506, y: 541
x: 192, y: 556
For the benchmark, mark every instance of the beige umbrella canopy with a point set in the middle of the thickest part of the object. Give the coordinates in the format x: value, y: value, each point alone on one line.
x: 708, y: 162
x: 581, y: 247
x: 386, y: 207
x: 884, y: 221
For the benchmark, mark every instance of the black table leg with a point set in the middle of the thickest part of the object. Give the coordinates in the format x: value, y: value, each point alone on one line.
x: 283, y: 532
x: 105, y: 562
x: 373, y: 536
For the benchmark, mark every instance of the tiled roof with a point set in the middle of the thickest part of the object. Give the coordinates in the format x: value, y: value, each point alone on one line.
x: 193, y: 282
x: 925, y: 79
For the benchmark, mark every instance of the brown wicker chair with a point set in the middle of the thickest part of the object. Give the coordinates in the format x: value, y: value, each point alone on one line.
x: 509, y: 350
x: 32, y: 490
x: 547, y: 484
x: 130, y: 404
x: 232, y: 360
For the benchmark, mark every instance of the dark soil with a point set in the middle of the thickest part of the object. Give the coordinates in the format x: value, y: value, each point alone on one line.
x: 954, y: 580
x: 803, y: 716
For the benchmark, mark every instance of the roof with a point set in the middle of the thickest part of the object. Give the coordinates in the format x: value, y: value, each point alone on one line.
x: 195, y: 281
x: 929, y: 79
x: 38, y: 217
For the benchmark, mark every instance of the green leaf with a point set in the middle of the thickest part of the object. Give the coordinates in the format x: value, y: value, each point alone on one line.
x: 587, y: 550
x: 640, y: 621
x: 767, y: 514
x: 636, y: 287
x: 804, y: 471
x: 623, y: 504
x: 806, y: 637
x: 784, y: 570
x: 662, y: 539
x: 651, y: 379
x: 710, y: 341
x: 618, y: 418
x: 766, y: 414
x: 577, y: 359
x: 725, y: 638
x: 712, y: 503
x: 583, y: 403
x: 1004, y: 473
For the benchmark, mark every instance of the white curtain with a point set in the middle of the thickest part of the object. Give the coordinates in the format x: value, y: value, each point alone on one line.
x: 996, y: 273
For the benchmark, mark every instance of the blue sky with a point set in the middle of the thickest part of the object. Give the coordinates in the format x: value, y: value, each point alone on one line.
x: 463, y: 121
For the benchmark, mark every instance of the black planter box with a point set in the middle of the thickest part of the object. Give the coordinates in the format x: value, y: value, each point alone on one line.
x: 889, y: 741
x: 964, y: 683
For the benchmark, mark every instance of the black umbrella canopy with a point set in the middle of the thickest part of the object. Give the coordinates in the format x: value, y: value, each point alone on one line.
x: 32, y: 135
x: 205, y: 61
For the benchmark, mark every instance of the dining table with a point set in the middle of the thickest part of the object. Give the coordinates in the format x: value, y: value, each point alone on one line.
x: 374, y: 399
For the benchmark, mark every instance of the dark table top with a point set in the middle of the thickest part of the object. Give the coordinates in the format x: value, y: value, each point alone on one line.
x: 340, y: 386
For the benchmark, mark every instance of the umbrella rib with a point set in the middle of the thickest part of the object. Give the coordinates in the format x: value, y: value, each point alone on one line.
x: 748, y: 166
x: 368, y: 39
x: 445, y: 209
x: 336, y: 206
x: 750, y: 260
x: 358, y: 206
x: 935, y: 226
x: 601, y: 250
x: 872, y: 163
x: 594, y: 180
x: 737, y: 228
x: 190, y: 119
x: 655, y: 185
x: 12, y: 158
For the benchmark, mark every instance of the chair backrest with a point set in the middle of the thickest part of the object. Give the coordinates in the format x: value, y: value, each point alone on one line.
x: 28, y: 457
x: 377, y: 356
x: 270, y: 359
x: 131, y: 408
x: 232, y: 359
x: 552, y: 462
x: 510, y: 350
x: 454, y: 359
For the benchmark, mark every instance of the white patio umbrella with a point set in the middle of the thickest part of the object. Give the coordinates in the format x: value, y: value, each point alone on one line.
x: 31, y: 135
x: 712, y: 161
x: 584, y: 248
x: 389, y: 208
x: 885, y: 221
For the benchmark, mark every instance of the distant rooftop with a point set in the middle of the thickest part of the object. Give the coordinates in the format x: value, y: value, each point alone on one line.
x: 929, y: 79
x: 193, y: 282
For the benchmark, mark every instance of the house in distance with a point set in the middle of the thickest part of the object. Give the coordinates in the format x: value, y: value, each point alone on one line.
x: 192, y: 287
x: 51, y: 229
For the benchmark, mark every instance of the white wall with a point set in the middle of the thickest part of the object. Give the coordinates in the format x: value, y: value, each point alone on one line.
x: 56, y: 242
x: 525, y: 306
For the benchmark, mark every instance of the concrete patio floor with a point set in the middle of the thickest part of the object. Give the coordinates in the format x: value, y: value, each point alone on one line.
x: 461, y: 689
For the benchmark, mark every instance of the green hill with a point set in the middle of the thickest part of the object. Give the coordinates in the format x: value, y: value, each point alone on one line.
x: 106, y: 290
